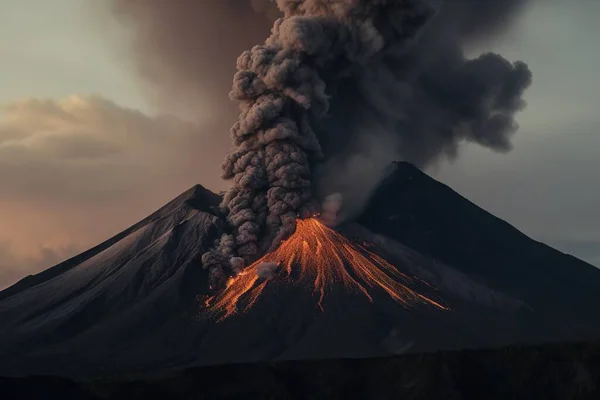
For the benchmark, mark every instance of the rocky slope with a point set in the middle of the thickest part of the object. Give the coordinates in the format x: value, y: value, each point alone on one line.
x: 135, y: 303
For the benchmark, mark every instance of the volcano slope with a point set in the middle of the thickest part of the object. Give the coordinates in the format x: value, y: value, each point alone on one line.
x: 422, y: 269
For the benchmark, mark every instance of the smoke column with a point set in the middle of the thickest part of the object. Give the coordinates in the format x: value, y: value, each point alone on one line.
x: 281, y: 88
x: 333, y: 76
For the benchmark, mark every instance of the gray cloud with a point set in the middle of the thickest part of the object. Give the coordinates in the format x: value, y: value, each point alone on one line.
x: 14, y: 266
x: 86, y: 148
x: 184, y: 53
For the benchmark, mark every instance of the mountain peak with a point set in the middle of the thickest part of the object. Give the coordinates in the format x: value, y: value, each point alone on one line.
x: 196, y: 198
x: 406, y: 167
x: 198, y: 191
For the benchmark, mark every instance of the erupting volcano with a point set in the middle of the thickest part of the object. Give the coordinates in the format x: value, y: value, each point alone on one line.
x: 258, y: 273
x: 330, y: 75
x: 130, y: 304
x: 318, y: 256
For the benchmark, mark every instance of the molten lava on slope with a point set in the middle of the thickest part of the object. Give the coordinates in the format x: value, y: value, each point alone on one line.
x: 324, y: 258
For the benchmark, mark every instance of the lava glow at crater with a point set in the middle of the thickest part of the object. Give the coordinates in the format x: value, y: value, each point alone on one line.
x: 324, y: 258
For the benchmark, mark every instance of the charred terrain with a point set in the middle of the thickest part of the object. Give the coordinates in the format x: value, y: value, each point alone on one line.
x: 549, y: 372
x: 421, y: 270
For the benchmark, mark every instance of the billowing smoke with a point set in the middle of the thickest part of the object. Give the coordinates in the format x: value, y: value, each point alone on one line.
x: 418, y: 104
x: 282, y: 89
x: 329, y: 71
x: 267, y: 270
x: 330, y: 209
x: 334, y: 75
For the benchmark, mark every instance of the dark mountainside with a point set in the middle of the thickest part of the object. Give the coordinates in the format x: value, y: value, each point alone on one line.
x: 550, y: 372
x: 135, y: 303
x: 432, y: 219
x: 196, y: 197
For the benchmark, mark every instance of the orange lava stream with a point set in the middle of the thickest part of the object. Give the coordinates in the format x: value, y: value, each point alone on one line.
x: 325, y: 258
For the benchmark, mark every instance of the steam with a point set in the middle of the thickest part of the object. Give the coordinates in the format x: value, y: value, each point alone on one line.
x: 237, y: 264
x: 355, y: 174
x: 330, y: 209
x: 336, y: 84
x: 267, y: 270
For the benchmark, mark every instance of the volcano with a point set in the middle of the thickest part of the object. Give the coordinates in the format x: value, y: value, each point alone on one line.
x: 319, y: 256
x: 422, y: 269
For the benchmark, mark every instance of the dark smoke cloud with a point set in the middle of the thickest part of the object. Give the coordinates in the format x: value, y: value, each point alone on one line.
x: 332, y: 76
x: 419, y: 104
x: 430, y: 95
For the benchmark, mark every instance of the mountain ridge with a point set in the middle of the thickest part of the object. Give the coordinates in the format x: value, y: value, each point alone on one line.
x: 194, y: 197
x: 135, y: 302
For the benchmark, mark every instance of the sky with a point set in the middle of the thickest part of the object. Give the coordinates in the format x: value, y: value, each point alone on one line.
x: 86, y: 148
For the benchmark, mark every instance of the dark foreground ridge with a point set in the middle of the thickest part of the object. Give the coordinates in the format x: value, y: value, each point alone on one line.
x: 567, y: 371
x: 136, y: 303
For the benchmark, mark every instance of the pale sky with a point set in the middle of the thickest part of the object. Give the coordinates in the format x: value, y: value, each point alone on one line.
x: 74, y: 169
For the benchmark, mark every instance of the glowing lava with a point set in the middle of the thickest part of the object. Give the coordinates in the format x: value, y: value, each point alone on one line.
x: 325, y: 258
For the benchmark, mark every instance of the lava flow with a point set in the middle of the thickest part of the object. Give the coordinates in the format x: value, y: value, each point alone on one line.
x: 325, y: 258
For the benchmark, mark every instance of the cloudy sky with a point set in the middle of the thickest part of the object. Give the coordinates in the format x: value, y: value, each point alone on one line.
x: 88, y: 147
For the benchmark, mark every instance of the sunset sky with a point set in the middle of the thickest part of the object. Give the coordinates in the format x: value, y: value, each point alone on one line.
x: 86, y: 148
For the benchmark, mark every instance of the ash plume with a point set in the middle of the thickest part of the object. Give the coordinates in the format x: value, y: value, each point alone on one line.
x: 424, y: 100
x: 313, y: 93
x: 282, y: 88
